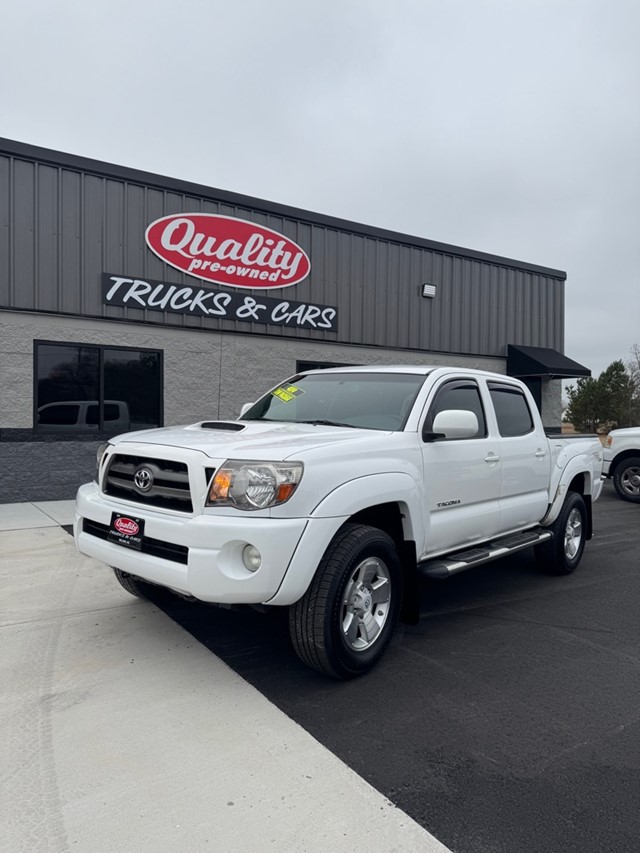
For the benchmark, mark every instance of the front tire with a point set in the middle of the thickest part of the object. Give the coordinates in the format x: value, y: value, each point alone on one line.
x: 626, y: 479
x: 133, y: 585
x: 561, y: 554
x: 344, y: 622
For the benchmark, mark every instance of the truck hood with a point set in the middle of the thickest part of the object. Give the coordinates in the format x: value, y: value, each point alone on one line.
x: 247, y: 439
x: 626, y: 431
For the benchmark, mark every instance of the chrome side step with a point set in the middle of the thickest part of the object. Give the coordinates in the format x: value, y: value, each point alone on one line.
x: 444, y: 567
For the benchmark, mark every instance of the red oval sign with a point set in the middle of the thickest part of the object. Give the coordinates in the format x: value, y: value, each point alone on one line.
x: 226, y: 250
x: 127, y: 526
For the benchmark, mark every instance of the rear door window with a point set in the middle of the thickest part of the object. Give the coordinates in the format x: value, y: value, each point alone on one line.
x: 512, y: 410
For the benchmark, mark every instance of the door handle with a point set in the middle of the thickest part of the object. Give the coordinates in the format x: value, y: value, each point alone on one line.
x: 492, y: 458
x: 540, y: 454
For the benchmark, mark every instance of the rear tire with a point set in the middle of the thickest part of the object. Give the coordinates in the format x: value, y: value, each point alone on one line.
x: 133, y: 585
x: 561, y: 554
x: 626, y: 479
x: 344, y: 622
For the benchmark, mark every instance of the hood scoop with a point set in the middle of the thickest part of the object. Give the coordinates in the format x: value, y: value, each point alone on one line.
x: 230, y: 426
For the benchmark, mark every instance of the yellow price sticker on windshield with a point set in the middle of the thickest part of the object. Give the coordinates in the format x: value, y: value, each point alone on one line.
x: 287, y: 393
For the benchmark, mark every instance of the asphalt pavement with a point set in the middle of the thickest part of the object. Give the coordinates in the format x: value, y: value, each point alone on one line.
x: 506, y: 720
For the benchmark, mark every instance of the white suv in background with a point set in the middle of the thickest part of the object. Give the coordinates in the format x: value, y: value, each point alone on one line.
x: 622, y: 462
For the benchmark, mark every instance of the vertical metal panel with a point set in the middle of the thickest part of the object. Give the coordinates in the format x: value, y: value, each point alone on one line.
x: 416, y: 270
x: 114, y: 226
x: 23, y: 237
x: 354, y: 285
x: 93, y: 227
x: 367, y: 294
x: 6, y: 254
x: 155, y: 207
x: 135, y: 226
x: 46, y: 238
x: 71, y: 284
x: 450, y: 301
x: 62, y: 228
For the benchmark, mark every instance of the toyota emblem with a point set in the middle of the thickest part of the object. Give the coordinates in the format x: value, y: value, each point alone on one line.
x: 143, y: 479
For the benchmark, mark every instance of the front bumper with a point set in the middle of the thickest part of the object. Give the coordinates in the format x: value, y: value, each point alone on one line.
x: 213, y: 570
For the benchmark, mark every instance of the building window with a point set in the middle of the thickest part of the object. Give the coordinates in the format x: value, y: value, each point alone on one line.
x: 81, y: 388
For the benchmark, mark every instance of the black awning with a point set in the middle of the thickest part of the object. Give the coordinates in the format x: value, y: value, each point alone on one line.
x: 524, y: 362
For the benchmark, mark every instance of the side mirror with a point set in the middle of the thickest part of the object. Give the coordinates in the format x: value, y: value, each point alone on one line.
x: 453, y: 423
x: 245, y: 408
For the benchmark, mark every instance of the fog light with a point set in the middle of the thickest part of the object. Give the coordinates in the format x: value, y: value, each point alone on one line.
x: 251, y: 558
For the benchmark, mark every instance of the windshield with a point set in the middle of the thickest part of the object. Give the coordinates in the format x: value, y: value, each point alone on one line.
x: 365, y: 400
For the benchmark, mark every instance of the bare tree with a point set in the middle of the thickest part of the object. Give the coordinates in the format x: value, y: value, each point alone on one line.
x: 633, y: 367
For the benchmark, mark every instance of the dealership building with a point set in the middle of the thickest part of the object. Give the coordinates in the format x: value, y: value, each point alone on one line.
x: 130, y: 300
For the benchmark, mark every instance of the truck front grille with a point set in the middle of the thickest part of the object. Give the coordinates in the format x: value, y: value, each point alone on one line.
x: 153, y: 547
x: 151, y: 482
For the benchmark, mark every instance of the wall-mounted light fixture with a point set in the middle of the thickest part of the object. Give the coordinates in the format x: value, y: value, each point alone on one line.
x: 429, y: 290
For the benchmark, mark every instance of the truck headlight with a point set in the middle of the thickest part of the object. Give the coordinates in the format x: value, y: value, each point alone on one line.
x: 254, y: 485
x: 99, y: 454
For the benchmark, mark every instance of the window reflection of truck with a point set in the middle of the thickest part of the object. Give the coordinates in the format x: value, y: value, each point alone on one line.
x: 84, y: 415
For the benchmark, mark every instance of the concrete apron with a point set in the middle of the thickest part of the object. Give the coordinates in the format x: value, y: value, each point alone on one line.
x: 121, y: 732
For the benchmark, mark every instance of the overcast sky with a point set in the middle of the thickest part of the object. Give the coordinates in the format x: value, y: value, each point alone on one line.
x: 506, y: 126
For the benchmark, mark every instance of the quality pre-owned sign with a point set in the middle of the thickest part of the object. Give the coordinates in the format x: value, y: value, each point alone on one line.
x: 229, y: 251
x: 198, y: 302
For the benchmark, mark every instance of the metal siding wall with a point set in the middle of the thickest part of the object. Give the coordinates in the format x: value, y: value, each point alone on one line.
x: 62, y: 229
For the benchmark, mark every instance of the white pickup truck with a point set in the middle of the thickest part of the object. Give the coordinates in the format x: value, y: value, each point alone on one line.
x: 332, y: 494
x: 622, y: 462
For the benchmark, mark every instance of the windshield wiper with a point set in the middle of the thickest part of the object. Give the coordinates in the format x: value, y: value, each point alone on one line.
x: 322, y: 422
